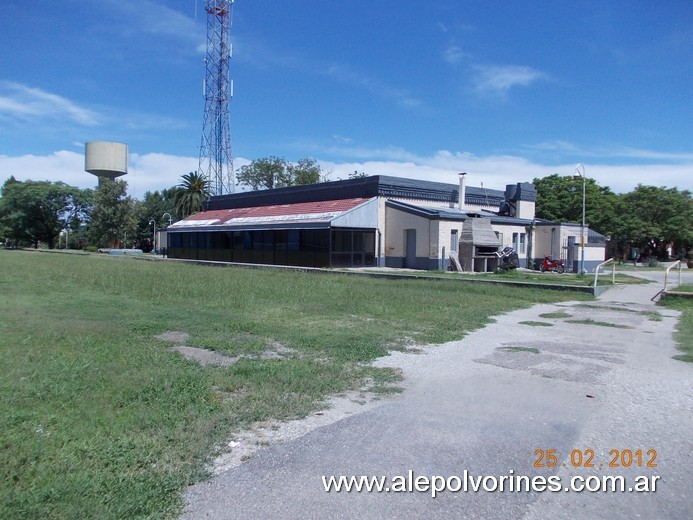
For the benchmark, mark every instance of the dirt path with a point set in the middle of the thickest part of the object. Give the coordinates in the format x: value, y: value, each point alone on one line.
x: 596, y: 377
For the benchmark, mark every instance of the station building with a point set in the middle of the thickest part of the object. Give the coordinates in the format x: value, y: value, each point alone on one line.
x: 379, y: 221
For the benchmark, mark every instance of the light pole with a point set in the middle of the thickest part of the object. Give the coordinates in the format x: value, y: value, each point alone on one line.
x: 579, y: 167
x: 170, y: 221
x: 152, y: 221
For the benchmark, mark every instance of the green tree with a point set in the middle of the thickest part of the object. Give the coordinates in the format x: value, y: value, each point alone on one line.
x: 305, y: 171
x: 649, y: 217
x: 37, y: 211
x: 264, y: 173
x: 559, y: 198
x: 153, y: 206
x: 276, y: 172
x: 655, y: 217
x: 191, y: 195
x: 112, y: 218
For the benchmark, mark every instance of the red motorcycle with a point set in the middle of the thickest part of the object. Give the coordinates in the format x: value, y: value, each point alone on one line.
x: 555, y: 266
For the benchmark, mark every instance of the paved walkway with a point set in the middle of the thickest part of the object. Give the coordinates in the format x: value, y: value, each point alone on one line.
x: 486, y: 404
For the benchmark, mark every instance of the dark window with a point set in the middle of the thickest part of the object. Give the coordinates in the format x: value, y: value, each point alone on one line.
x: 352, y: 248
x: 293, y: 240
x: 341, y: 241
x: 308, y: 247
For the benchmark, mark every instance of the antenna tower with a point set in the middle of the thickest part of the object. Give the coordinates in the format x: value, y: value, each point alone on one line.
x: 216, y: 162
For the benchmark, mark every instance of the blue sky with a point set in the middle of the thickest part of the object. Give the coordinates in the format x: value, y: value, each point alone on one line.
x: 506, y: 91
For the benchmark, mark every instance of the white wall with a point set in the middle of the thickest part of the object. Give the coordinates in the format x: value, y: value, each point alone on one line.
x: 395, y: 237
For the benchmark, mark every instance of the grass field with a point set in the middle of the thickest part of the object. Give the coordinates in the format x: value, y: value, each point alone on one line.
x: 684, y: 334
x: 102, y: 420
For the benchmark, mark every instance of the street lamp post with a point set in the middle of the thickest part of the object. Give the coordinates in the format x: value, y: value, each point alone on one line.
x: 152, y: 221
x: 170, y: 221
x: 579, y: 167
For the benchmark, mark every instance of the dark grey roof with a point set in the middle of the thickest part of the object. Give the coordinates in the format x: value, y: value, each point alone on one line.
x: 455, y: 214
x: 429, y: 213
x: 374, y: 186
x: 436, y: 191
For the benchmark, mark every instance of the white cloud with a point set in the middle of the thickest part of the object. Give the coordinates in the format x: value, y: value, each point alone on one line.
x: 25, y: 103
x: 342, y: 139
x: 150, y: 17
x: 499, y: 79
x: 345, y: 74
x: 156, y: 171
x: 65, y: 166
x: 495, y: 171
x: 455, y: 54
x: 618, y: 151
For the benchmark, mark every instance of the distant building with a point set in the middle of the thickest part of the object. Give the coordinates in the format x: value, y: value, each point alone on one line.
x: 375, y: 221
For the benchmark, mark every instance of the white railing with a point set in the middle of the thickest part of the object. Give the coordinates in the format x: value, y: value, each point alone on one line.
x: 666, y: 275
x: 613, y: 271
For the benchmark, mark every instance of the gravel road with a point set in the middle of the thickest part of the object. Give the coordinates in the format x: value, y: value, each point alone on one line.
x: 485, y: 405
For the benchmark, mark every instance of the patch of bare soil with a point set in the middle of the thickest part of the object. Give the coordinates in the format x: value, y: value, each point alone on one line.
x: 205, y: 357
x: 276, y: 350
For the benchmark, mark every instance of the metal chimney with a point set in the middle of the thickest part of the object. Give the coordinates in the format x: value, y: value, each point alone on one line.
x: 462, y: 192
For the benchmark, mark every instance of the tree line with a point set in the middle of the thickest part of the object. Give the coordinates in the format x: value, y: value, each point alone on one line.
x: 33, y: 213
x: 655, y: 220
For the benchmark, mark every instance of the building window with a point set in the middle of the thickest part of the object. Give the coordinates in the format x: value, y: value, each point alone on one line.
x: 352, y: 248
x: 519, y: 242
x: 301, y: 247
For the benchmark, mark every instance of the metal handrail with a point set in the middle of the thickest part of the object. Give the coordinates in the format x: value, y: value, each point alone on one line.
x: 666, y: 275
x: 613, y: 271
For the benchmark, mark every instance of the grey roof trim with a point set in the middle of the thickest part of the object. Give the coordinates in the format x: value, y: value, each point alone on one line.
x: 429, y: 213
x: 541, y: 222
x: 256, y: 227
x: 455, y: 215
x: 511, y: 221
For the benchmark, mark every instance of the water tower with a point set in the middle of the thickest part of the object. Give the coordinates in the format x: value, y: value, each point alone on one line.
x: 106, y: 159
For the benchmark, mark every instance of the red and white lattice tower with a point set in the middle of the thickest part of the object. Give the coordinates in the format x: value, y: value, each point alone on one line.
x: 216, y: 161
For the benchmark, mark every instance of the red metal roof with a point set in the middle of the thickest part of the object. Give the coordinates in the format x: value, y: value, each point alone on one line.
x: 279, y: 210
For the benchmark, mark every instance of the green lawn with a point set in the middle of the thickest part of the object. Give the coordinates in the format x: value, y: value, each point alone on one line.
x: 102, y: 420
x: 684, y: 333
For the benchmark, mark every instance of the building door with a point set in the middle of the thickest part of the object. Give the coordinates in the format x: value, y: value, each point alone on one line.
x: 570, y: 261
x: 410, y: 251
x: 454, y: 242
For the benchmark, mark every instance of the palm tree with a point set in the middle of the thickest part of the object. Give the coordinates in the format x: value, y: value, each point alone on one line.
x: 191, y: 194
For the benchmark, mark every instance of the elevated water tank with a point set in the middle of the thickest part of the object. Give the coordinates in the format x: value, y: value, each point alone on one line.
x: 106, y: 159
